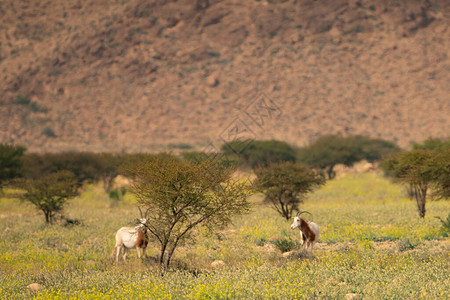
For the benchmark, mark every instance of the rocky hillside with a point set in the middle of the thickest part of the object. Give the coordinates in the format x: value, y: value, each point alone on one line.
x: 142, y: 75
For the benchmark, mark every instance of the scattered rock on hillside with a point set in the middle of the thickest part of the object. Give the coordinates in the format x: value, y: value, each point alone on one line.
x: 212, y: 81
x: 328, y: 64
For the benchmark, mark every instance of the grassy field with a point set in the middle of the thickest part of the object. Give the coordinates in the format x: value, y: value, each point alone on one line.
x: 372, y: 243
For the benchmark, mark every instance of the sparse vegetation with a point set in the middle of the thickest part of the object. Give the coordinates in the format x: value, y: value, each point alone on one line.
x: 26, y: 102
x: 130, y: 76
x: 114, y: 56
x: 73, y: 261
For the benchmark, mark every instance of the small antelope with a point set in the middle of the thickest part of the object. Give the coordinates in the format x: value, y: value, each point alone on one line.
x: 309, y: 231
x: 131, y: 238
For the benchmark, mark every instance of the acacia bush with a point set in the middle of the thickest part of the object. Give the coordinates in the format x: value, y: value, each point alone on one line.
x: 424, y: 169
x: 414, y: 168
x: 50, y: 193
x: 285, y: 185
x: 181, y: 195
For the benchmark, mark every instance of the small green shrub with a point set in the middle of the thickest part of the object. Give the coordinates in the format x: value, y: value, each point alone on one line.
x: 184, y: 146
x: 68, y: 222
x: 286, y: 245
x: 116, y: 195
x: 405, y: 244
x: 48, y: 132
x: 214, y: 54
x: 34, y: 107
x: 22, y: 100
x: 260, y: 242
x: 26, y: 102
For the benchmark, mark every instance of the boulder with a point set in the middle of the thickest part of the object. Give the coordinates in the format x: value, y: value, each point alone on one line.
x: 212, y: 81
x: 34, y: 287
x: 218, y: 263
x: 353, y: 296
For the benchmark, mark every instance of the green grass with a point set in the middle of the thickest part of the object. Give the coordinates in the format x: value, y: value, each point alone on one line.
x: 372, y: 242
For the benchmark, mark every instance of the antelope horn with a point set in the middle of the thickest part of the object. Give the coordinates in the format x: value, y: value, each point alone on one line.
x: 146, y: 212
x: 304, y: 211
x: 140, y: 212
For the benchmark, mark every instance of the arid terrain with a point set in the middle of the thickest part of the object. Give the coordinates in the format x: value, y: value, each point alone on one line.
x: 372, y: 245
x: 144, y: 75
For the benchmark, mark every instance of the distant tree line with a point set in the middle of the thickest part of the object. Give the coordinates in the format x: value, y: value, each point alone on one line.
x: 50, y: 179
x: 285, y: 174
x: 11, y: 162
x: 323, y: 154
x: 329, y: 150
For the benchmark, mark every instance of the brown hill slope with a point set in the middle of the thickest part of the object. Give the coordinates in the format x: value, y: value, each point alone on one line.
x: 138, y: 75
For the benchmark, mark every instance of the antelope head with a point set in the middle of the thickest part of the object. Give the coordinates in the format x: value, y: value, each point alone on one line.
x: 297, y: 219
x: 143, y: 220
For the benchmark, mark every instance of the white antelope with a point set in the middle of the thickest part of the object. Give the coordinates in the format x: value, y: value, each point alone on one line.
x: 132, y: 238
x: 309, y: 231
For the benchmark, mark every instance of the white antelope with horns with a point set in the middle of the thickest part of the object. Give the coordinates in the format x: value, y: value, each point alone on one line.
x: 132, y: 238
x: 309, y: 231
